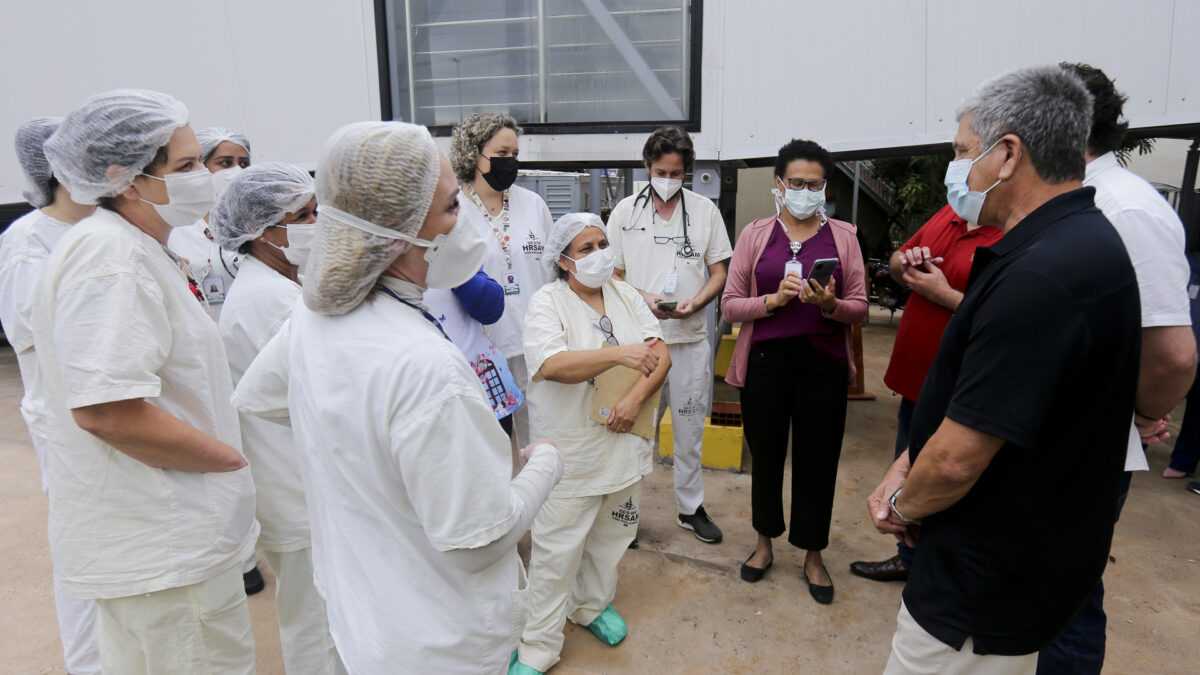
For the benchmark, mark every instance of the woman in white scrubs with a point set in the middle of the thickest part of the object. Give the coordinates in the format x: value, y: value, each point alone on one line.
x: 225, y: 154
x: 513, y: 221
x: 268, y: 214
x: 24, y: 247
x: 577, y: 328
x: 151, y: 500
x: 415, y: 516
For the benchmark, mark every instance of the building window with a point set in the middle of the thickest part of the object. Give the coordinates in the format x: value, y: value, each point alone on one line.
x: 617, y: 64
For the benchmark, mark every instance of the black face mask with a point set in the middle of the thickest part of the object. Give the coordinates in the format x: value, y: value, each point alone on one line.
x: 503, y: 173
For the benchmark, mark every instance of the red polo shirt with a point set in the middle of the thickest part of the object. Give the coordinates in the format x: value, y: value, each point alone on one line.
x: 922, y: 322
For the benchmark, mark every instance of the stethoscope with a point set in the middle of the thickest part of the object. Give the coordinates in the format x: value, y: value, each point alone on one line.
x: 646, y: 200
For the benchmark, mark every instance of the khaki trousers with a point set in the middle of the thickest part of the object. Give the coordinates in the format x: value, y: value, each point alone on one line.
x: 577, y: 544
x: 200, y: 629
x: 303, y: 626
x: 916, y: 652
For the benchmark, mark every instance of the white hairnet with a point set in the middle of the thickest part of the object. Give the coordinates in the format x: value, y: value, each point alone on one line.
x: 259, y: 197
x: 384, y: 173
x: 211, y: 137
x: 122, y: 129
x: 31, y: 154
x: 563, y: 232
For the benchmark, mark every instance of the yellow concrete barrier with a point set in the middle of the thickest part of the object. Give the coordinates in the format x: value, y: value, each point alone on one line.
x: 722, y: 446
x: 725, y: 353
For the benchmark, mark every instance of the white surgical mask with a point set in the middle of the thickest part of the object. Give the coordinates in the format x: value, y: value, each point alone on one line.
x: 300, y: 237
x: 666, y: 187
x: 221, y: 179
x: 453, y: 258
x: 965, y: 202
x: 189, y: 197
x: 595, y: 268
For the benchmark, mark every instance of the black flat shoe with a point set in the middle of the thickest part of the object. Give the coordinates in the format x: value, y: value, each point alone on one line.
x: 253, y: 581
x: 822, y: 594
x: 755, y: 574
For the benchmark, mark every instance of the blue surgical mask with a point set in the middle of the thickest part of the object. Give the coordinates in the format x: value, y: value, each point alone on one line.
x: 967, y: 203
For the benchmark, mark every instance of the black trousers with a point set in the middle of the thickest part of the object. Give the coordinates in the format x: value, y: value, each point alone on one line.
x: 791, y: 385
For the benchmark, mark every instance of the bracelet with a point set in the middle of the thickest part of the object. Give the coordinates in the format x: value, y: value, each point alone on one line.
x: 769, y: 310
x: 896, y: 512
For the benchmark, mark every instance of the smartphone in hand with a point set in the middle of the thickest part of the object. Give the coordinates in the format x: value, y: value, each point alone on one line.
x: 822, y: 270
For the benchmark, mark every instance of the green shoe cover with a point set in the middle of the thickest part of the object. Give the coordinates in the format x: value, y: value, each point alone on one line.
x: 609, y: 627
x: 515, y: 667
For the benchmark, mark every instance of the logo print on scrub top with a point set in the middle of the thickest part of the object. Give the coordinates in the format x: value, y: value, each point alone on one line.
x: 533, y: 246
x: 627, y: 513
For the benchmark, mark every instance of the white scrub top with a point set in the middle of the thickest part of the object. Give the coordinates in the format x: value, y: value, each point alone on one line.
x: 502, y: 391
x: 213, y: 267
x: 647, y: 263
x: 259, y: 303
x: 1154, y: 239
x: 596, y: 460
x: 24, y: 248
x: 405, y: 460
x: 529, y: 221
x: 114, y: 319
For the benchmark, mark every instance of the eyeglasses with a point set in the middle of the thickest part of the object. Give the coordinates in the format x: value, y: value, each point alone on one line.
x: 816, y: 185
x: 605, y: 326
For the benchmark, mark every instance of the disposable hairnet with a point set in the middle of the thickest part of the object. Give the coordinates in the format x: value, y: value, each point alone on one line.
x: 384, y: 173
x: 31, y: 154
x: 564, y: 230
x: 259, y: 197
x: 121, y: 130
x: 211, y: 137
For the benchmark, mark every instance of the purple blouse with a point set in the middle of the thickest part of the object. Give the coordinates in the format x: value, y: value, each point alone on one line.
x: 799, y: 319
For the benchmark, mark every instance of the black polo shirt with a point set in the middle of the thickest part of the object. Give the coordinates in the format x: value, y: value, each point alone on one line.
x: 1043, y: 353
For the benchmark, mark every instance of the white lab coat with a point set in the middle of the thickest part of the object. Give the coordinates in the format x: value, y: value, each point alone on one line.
x: 114, y: 320
x: 404, y: 461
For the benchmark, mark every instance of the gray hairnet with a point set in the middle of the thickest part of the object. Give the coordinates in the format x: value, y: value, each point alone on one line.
x: 563, y: 232
x: 384, y: 173
x: 259, y: 197
x: 211, y: 137
x: 31, y: 154
x: 121, y: 130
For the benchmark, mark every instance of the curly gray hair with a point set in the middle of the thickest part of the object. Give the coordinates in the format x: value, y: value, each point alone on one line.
x: 469, y: 138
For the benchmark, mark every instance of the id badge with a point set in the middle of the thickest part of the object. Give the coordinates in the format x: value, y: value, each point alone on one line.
x: 794, y: 266
x: 671, y: 282
x: 214, y: 288
x: 511, y: 287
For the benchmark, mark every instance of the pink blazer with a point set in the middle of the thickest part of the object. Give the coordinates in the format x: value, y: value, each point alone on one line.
x: 742, y: 303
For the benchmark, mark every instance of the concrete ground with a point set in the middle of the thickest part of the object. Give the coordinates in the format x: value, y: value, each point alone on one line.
x: 687, y: 608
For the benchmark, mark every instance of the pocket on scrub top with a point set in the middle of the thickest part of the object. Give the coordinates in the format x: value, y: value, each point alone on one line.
x: 230, y: 507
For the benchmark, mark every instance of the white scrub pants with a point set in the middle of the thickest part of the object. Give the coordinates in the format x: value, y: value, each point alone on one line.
x: 688, y: 392
x: 916, y: 652
x: 516, y: 365
x: 303, y: 627
x: 76, y: 618
x: 577, y: 543
x: 200, y: 629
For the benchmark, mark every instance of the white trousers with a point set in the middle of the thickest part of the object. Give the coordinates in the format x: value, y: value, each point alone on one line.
x: 76, y: 618
x: 303, y: 626
x: 520, y: 373
x: 577, y: 543
x: 916, y: 652
x: 688, y: 392
x: 202, y: 629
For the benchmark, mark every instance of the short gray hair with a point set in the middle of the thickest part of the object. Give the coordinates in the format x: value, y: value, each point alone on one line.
x: 1049, y: 109
x: 469, y: 138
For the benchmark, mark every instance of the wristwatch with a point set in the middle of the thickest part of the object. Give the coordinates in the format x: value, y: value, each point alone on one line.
x: 896, y: 512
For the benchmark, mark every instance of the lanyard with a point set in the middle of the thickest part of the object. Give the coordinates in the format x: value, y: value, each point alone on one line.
x: 427, y: 315
x: 501, y: 235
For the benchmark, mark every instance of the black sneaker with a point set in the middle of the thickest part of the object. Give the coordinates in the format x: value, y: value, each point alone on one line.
x: 253, y: 581
x: 701, y: 525
x: 1194, y: 486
